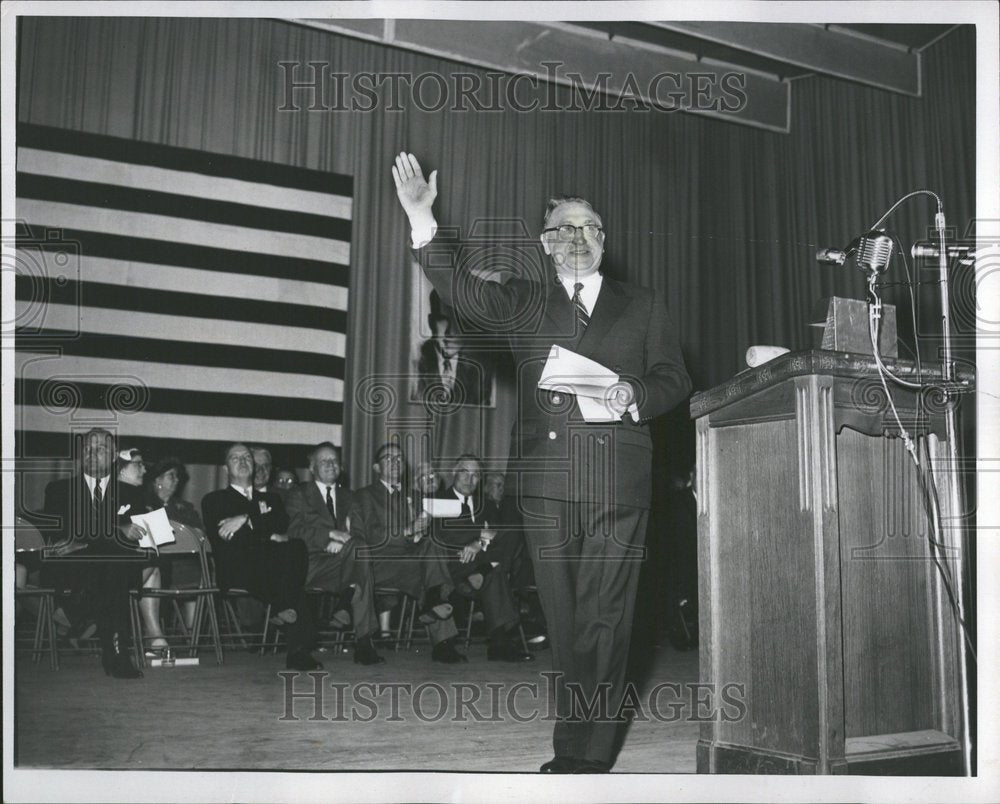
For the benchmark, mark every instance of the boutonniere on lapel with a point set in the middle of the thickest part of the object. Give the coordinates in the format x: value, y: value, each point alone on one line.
x: 264, y: 507
x: 123, y: 510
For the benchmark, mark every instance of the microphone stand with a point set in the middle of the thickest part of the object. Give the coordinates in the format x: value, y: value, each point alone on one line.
x: 956, y: 495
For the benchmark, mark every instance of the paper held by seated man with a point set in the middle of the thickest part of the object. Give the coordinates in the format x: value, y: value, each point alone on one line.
x: 592, y: 384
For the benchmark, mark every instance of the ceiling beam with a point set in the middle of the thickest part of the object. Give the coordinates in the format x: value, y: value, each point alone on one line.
x: 617, y: 67
x: 830, y: 50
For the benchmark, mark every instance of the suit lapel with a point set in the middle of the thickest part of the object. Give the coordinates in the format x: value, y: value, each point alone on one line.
x: 561, y: 315
x: 611, y: 303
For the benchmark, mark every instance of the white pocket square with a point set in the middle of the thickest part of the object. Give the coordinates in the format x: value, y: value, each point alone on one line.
x: 123, y: 509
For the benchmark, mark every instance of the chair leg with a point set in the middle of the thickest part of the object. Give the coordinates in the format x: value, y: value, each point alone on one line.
x: 199, y: 615
x: 136, y: 626
x: 51, y: 624
x: 36, y: 645
x: 468, y: 624
x: 213, y: 622
x: 267, y: 627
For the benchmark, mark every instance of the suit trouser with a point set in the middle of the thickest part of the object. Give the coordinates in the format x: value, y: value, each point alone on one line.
x: 275, y: 572
x: 414, y: 569
x: 494, y: 595
x: 587, y: 561
x: 334, y: 572
x: 103, y: 571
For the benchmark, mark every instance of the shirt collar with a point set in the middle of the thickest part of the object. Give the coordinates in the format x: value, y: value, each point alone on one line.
x: 388, y: 486
x: 244, y: 492
x: 323, y: 487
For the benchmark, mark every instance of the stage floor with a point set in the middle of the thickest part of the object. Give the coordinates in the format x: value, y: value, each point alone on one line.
x: 407, y: 714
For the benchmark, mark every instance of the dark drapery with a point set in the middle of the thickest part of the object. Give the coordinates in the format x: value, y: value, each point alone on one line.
x: 721, y: 219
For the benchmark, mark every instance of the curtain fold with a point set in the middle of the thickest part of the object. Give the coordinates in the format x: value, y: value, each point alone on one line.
x: 720, y: 219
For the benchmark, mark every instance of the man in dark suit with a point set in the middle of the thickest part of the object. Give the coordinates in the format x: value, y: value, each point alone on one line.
x: 93, y: 546
x: 388, y: 519
x: 590, y: 478
x: 477, y: 569
x: 319, y: 515
x: 243, y: 526
x: 446, y: 373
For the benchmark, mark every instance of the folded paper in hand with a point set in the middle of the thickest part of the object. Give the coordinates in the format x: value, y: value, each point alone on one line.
x: 440, y: 509
x: 592, y: 384
x: 158, y: 530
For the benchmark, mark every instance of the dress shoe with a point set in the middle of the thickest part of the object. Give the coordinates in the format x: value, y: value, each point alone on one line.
x: 285, y: 617
x: 560, y: 765
x: 506, y: 651
x: 592, y: 766
x: 302, y: 661
x: 538, y: 642
x: 445, y: 653
x: 116, y: 661
x: 440, y: 611
x: 365, y: 653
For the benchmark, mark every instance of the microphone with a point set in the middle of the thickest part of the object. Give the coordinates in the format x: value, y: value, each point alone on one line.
x: 831, y: 256
x: 874, y: 252
x: 965, y: 254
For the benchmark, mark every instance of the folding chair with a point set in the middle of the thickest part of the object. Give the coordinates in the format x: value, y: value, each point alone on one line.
x: 188, y: 541
x: 28, y: 540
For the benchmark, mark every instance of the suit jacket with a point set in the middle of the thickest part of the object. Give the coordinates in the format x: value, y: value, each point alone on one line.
x: 69, y: 502
x: 556, y: 453
x: 310, y: 519
x: 473, y: 378
x: 456, y: 532
x: 375, y: 521
x: 227, y: 502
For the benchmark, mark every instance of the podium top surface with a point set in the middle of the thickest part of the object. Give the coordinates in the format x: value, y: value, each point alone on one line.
x: 847, y: 365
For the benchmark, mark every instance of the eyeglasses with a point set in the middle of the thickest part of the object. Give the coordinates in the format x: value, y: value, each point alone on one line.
x: 567, y: 231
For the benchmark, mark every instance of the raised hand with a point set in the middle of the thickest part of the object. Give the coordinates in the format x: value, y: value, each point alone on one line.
x: 416, y: 195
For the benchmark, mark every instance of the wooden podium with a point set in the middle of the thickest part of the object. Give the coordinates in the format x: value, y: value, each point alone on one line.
x: 817, y: 590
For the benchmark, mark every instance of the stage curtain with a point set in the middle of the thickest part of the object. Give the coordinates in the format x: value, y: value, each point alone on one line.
x: 721, y: 219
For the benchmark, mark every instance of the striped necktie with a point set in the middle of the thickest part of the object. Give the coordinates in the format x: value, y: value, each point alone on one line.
x: 581, y: 312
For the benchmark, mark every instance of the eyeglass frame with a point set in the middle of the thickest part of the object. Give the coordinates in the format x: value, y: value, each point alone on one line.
x: 600, y: 230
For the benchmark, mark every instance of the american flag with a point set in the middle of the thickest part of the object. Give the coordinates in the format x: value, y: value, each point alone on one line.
x: 183, y: 298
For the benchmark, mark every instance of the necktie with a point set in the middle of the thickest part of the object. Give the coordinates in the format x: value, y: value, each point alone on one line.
x: 330, y: 506
x: 581, y: 312
x: 467, y: 508
x: 98, y: 497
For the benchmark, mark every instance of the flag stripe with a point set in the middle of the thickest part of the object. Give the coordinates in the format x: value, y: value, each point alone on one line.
x: 214, y: 283
x: 71, y: 342
x: 180, y: 426
x: 171, y: 302
x: 142, y: 177
x: 154, y: 202
x: 197, y: 233
x: 46, y: 393
x: 96, y: 320
x: 44, y: 365
x: 185, y: 159
x: 50, y: 238
x: 192, y: 451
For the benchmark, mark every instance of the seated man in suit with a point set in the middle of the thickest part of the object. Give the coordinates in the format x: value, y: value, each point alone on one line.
x: 388, y: 519
x: 475, y: 566
x: 319, y: 513
x: 243, y: 526
x: 94, y: 546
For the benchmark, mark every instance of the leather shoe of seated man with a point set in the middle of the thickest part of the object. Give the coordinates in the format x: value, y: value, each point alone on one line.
x: 365, y: 653
x: 302, y: 660
x: 445, y: 652
x: 503, y: 649
x: 560, y: 765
